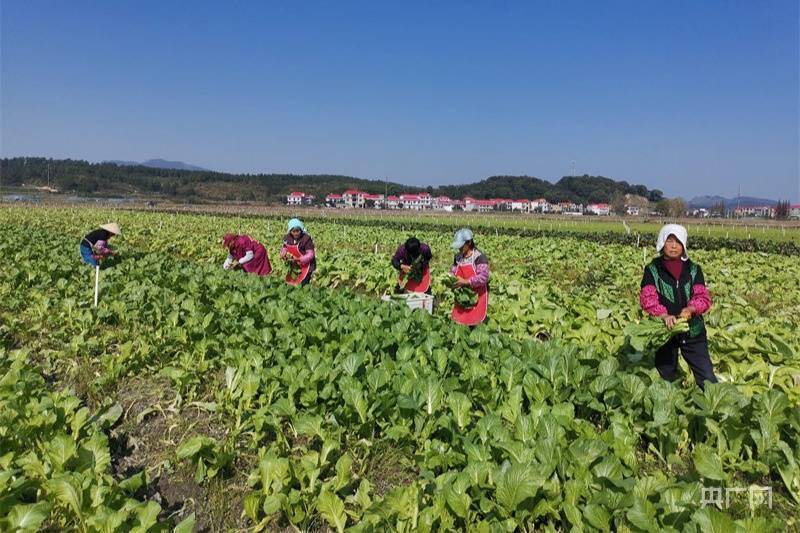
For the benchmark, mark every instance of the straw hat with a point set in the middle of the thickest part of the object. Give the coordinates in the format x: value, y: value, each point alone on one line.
x: 113, y: 227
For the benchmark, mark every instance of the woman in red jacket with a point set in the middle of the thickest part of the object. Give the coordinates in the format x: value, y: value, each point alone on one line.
x: 247, y: 253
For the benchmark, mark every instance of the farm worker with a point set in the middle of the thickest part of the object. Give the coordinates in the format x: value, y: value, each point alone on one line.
x: 413, y: 253
x: 247, y: 253
x: 94, y: 245
x: 674, y: 287
x: 299, y: 247
x: 471, y: 267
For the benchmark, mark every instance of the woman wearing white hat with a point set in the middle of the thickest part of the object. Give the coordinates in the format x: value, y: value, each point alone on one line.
x: 471, y: 267
x: 673, y: 287
x: 94, y: 245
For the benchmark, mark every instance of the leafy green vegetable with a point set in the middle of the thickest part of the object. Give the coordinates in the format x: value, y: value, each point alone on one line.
x: 652, y: 333
x: 349, y: 421
x: 464, y: 297
x: 416, y: 272
x: 293, y: 269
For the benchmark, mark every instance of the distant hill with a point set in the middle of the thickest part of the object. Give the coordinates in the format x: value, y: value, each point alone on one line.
x: 111, y: 178
x: 119, y: 178
x: 157, y: 163
x: 707, y: 202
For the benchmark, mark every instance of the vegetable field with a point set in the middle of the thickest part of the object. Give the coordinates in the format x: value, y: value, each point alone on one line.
x: 200, y: 399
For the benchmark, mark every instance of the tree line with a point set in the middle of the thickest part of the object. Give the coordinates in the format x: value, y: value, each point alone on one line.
x: 83, y: 177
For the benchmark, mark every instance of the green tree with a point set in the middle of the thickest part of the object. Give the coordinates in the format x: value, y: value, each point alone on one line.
x: 677, y: 207
x: 618, y: 205
x: 664, y: 207
x: 782, y: 210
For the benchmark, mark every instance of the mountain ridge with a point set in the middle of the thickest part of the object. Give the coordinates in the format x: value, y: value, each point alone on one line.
x: 708, y: 201
x: 157, y: 163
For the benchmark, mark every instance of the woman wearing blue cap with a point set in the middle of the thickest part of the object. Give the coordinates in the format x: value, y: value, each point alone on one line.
x: 471, y: 267
x: 298, y: 247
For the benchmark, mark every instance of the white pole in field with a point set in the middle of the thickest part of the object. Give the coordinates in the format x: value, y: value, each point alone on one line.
x: 96, y: 284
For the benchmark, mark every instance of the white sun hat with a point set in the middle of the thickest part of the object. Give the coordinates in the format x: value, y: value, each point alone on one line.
x: 679, y: 232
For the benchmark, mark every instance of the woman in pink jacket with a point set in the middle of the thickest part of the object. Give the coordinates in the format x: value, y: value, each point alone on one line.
x: 299, y: 247
x: 674, y: 287
x: 471, y: 267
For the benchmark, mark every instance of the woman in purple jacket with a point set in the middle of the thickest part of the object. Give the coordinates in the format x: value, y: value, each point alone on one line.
x: 299, y: 247
x: 407, y: 253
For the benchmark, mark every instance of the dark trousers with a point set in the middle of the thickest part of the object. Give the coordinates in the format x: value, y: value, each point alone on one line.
x: 694, y: 351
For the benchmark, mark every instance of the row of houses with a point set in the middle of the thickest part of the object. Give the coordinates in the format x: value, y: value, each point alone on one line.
x: 760, y: 211
x: 764, y: 211
x: 355, y: 199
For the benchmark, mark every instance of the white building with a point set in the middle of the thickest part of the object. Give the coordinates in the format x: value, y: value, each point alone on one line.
x: 480, y: 206
x: 502, y: 204
x: 633, y: 210
x: 794, y: 211
x: 426, y: 200
x: 299, y: 198
x: 334, y: 200
x: 761, y: 211
x: 374, y: 200
x: 568, y: 208
x: 540, y: 205
x: 523, y: 205
x: 415, y: 202
x: 392, y: 202
x: 442, y: 203
x: 354, y: 198
x: 599, y: 209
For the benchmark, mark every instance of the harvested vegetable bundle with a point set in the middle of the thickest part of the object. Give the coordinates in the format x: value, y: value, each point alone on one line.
x: 651, y: 333
x: 293, y: 268
x: 464, y: 297
x: 415, y: 274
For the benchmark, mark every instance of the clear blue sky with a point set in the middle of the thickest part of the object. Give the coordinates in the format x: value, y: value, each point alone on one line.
x: 692, y: 97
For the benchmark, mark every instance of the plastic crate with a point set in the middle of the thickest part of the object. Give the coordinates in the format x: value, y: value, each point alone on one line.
x: 414, y: 300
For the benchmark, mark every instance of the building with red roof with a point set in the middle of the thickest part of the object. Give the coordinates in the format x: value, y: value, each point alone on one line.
x: 334, y: 200
x: 353, y: 198
x: 298, y: 198
x: 598, y: 209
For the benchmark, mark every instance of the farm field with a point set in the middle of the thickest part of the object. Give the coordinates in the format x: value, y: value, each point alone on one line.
x: 752, y: 229
x: 202, y: 398
x: 760, y: 230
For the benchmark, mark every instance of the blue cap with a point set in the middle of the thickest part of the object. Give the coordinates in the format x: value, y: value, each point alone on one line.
x: 296, y: 223
x: 462, y: 236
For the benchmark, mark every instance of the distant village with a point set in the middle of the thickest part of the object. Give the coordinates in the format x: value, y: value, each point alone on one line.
x: 355, y: 199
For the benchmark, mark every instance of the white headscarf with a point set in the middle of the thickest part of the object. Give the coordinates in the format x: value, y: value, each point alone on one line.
x: 680, y: 233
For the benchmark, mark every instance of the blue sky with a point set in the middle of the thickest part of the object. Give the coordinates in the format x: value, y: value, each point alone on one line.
x: 689, y: 97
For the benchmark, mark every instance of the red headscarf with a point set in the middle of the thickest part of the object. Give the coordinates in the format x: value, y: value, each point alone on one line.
x: 228, y: 239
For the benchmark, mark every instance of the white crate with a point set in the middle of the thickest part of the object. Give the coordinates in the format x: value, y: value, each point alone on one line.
x: 414, y: 300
